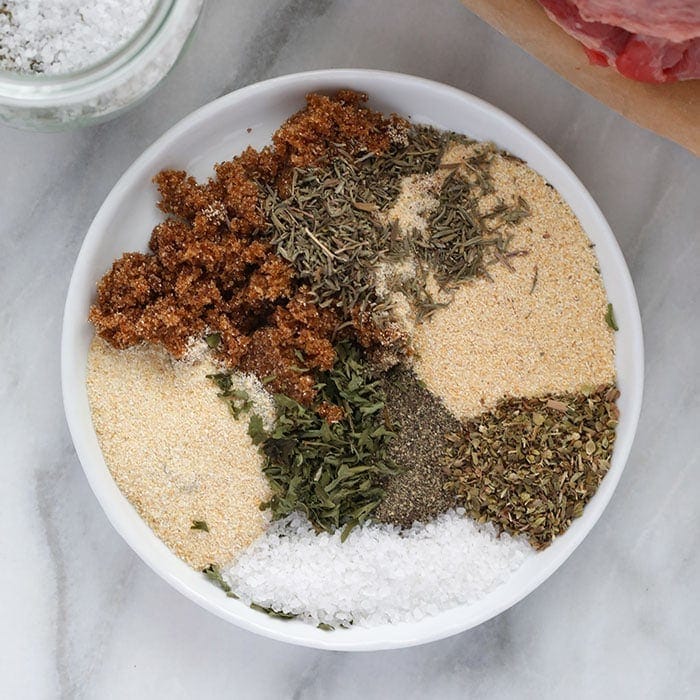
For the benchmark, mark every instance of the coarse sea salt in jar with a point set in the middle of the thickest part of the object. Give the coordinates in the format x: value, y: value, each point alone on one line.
x: 66, y: 64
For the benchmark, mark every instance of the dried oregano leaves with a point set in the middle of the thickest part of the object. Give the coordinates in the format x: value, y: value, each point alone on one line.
x: 531, y: 465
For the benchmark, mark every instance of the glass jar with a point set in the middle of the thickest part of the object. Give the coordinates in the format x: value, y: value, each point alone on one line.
x: 103, y: 90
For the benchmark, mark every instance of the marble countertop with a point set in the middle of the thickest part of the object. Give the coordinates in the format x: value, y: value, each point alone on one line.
x: 82, y: 617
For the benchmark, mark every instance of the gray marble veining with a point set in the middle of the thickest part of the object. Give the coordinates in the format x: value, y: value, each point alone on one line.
x: 82, y: 617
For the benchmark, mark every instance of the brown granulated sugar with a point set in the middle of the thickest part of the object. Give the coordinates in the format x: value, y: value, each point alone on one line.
x: 210, y: 268
x: 175, y: 451
x: 537, y: 327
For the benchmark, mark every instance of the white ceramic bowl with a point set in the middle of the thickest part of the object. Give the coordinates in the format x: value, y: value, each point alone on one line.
x: 218, y: 131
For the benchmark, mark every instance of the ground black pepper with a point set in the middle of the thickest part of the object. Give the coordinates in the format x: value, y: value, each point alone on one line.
x: 421, y: 422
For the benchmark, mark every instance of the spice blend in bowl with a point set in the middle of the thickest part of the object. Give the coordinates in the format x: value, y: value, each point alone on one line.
x: 308, y: 267
x: 362, y: 376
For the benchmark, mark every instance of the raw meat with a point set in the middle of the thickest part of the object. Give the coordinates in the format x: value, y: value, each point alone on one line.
x: 676, y: 20
x: 655, y: 41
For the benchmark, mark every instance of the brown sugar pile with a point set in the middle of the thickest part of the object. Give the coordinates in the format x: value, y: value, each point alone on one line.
x: 210, y: 269
x: 175, y: 453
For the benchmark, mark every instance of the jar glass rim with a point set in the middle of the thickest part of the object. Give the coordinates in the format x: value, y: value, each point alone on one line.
x: 93, y: 72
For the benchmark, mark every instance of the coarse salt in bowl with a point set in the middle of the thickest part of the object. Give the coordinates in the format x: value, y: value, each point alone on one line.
x: 212, y: 134
x: 89, y: 69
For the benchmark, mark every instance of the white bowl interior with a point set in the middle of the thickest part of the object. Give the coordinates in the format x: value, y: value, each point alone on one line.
x: 218, y: 131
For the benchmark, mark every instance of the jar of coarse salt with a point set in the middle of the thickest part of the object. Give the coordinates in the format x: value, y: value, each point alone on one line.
x: 69, y: 63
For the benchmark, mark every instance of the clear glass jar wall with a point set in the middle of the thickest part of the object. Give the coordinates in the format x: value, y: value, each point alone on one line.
x: 101, y: 91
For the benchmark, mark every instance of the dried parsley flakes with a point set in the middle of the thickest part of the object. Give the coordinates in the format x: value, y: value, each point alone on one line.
x: 280, y: 614
x: 331, y: 472
x: 610, y: 318
x: 213, y: 573
x: 239, y: 400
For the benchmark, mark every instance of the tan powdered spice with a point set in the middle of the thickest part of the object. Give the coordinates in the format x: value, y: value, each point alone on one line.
x: 538, y: 329
x: 176, y: 452
x: 417, y: 198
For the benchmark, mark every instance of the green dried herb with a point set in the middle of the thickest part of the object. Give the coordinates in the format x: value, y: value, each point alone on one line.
x: 325, y: 626
x: 199, y: 525
x: 256, y: 430
x: 530, y: 465
x: 272, y: 612
x: 328, y: 226
x: 238, y: 399
x: 535, y: 273
x: 458, y: 235
x: 610, y: 318
x: 213, y: 573
x: 331, y: 472
x: 213, y: 340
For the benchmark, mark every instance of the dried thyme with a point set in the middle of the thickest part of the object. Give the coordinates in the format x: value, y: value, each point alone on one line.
x: 199, y: 525
x: 458, y: 235
x: 328, y: 226
x: 531, y: 465
x: 331, y: 472
x: 535, y: 273
x: 460, y: 240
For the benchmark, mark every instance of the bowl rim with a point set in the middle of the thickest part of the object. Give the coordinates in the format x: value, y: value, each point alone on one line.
x: 279, y: 629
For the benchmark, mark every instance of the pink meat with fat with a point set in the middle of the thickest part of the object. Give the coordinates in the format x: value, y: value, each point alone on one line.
x: 655, y: 41
x: 676, y: 20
